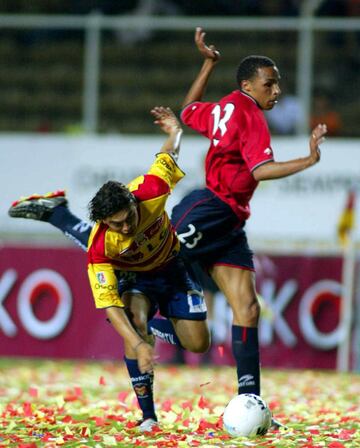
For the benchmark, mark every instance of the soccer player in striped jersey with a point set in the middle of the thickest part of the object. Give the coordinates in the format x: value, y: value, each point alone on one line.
x: 133, y: 264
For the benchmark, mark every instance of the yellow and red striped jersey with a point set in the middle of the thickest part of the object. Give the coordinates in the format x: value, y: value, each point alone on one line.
x: 153, y: 245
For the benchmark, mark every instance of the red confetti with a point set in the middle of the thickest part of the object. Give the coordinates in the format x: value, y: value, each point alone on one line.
x: 33, y: 392
x: 205, y: 425
x: 27, y: 409
x: 187, y: 405
x: 99, y: 421
x: 167, y: 405
x: 346, y: 434
x: 78, y: 391
x: 122, y: 396
x: 203, y: 403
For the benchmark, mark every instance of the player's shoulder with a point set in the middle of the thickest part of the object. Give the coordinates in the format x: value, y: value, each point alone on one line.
x: 96, y: 243
x: 148, y: 186
x: 241, y: 99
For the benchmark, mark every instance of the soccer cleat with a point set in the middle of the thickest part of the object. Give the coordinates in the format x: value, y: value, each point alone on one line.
x: 148, y: 425
x: 276, y: 425
x: 38, y: 207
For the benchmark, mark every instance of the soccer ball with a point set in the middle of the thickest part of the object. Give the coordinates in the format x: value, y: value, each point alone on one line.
x: 247, y: 415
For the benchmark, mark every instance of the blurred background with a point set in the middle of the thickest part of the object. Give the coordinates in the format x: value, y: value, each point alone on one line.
x: 78, y: 79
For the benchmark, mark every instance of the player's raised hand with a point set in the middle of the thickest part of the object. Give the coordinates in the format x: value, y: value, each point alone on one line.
x: 208, y: 51
x: 317, y: 137
x: 166, y: 119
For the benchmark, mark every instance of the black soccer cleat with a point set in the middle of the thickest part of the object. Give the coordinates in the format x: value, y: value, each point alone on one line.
x: 38, y: 207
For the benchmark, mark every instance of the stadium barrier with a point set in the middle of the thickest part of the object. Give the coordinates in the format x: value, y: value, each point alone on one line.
x: 47, y: 310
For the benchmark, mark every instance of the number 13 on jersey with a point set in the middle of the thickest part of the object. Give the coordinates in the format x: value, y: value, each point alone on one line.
x: 221, y: 118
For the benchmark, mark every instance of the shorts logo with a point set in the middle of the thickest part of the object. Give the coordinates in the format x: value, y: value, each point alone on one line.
x: 268, y: 151
x: 141, y: 390
x: 101, y: 278
x: 196, y: 301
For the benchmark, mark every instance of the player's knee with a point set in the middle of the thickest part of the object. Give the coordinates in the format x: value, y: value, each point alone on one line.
x: 253, y: 309
x: 140, y: 325
x: 198, y: 344
x: 248, y: 312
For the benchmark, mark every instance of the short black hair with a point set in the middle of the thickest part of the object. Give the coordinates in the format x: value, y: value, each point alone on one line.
x: 111, y: 198
x: 248, y: 67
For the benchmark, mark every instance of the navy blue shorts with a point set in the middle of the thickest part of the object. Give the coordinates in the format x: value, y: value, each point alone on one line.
x: 172, y: 290
x: 209, y: 231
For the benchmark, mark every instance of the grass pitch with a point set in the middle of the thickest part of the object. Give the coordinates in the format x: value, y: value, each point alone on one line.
x: 91, y: 404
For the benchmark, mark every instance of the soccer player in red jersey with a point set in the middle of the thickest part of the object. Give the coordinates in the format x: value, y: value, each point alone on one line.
x: 210, y: 222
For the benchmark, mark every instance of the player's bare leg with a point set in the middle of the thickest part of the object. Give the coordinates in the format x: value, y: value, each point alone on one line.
x: 238, y: 286
x: 194, y: 335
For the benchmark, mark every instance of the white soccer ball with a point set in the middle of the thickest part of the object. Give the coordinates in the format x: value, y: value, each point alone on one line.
x: 247, y: 415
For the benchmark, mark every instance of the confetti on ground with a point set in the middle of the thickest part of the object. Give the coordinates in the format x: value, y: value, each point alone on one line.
x: 88, y: 404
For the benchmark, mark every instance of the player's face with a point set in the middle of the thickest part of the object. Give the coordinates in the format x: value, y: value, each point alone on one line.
x: 264, y: 87
x: 125, y: 221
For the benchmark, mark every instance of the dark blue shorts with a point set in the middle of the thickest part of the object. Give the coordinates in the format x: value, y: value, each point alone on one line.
x: 209, y: 231
x: 173, y: 290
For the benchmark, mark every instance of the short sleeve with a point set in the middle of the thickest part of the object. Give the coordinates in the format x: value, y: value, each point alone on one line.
x: 197, y: 116
x: 257, y: 145
x: 166, y: 169
x: 104, y: 285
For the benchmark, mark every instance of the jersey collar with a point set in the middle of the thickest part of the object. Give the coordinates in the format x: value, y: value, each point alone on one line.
x: 253, y: 99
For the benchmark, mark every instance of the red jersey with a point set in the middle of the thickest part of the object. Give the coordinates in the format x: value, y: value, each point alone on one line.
x: 240, y: 142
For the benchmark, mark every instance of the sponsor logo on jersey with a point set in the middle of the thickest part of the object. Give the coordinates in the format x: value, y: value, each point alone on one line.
x: 165, y: 164
x: 108, y: 287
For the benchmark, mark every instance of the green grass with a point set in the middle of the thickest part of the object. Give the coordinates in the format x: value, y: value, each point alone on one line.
x: 90, y: 404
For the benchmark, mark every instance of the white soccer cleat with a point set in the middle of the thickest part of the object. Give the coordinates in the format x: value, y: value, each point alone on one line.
x: 148, y: 425
x: 275, y: 424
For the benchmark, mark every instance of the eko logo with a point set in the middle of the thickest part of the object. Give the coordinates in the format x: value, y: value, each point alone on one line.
x: 38, y: 283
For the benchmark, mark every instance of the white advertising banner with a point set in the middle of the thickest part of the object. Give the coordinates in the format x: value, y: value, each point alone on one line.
x: 302, y: 207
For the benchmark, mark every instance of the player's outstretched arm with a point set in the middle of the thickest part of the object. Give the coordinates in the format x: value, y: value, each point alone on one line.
x: 211, y: 57
x: 144, y: 351
x: 167, y: 121
x: 277, y: 170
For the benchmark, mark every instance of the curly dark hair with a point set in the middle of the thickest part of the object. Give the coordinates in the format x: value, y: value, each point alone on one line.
x: 248, y: 67
x: 111, y: 198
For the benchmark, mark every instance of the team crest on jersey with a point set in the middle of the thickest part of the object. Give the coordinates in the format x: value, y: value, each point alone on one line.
x: 268, y: 151
x: 101, y: 278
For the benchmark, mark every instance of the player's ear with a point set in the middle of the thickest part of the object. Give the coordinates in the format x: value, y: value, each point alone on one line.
x: 245, y: 85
